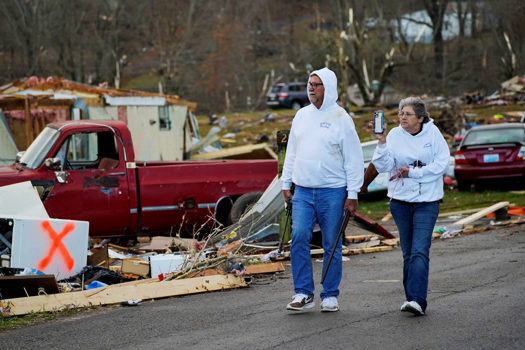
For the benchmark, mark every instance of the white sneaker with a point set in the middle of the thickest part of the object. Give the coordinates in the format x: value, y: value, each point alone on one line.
x: 329, y: 304
x: 404, y: 307
x: 300, y: 302
x: 415, y: 308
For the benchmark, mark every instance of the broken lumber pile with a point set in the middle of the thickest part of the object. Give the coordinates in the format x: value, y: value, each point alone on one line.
x: 117, y: 293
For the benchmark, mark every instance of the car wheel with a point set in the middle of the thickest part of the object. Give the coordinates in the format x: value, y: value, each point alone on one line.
x: 242, y: 205
x: 296, y: 105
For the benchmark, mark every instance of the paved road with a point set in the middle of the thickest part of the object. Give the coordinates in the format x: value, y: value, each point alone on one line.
x: 476, y: 301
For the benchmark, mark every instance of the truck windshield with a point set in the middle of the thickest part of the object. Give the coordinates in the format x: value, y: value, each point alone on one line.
x: 36, y: 152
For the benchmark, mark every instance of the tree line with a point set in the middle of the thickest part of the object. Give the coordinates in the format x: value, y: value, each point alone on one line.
x: 224, y: 54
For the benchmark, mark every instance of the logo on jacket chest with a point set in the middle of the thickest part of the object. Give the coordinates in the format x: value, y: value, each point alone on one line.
x: 325, y: 125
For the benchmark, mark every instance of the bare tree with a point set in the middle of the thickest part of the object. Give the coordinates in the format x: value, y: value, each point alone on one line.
x: 27, y: 27
x: 68, y: 30
x: 436, y: 12
x: 351, y: 52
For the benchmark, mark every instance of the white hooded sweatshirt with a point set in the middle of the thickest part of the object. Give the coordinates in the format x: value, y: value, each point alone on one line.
x: 323, y: 148
x: 425, y: 183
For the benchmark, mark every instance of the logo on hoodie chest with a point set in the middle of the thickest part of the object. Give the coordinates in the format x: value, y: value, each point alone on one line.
x: 325, y: 125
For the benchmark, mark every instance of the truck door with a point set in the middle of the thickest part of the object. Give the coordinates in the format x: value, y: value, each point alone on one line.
x: 93, y: 185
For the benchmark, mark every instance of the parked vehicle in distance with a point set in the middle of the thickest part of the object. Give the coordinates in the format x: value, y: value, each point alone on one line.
x: 287, y: 95
x: 86, y: 170
x: 380, y: 183
x: 488, y: 152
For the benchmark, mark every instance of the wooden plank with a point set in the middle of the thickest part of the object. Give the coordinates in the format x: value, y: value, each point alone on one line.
x: 320, y: 251
x: 481, y: 214
x: 119, y: 292
x: 459, y: 212
x: 393, y: 242
x: 470, y: 231
x: 367, y: 250
x: 264, y: 268
x: 360, y: 238
x: 364, y: 244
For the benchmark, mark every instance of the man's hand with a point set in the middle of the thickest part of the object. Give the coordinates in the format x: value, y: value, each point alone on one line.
x: 287, y: 194
x: 351, y: 206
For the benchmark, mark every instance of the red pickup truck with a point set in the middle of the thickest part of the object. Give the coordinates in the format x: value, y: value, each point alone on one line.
x: 86, y: 170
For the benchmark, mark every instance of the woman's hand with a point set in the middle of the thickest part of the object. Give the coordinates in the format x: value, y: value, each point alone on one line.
x: 382, y: 137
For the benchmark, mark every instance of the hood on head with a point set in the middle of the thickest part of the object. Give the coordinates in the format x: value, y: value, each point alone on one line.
x: 330, y: 86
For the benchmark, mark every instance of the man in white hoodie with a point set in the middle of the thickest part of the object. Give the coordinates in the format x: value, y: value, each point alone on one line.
x: 325, y: 162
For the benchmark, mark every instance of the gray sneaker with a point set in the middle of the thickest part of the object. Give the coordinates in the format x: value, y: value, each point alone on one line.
x: 300, y: 302
x: 415, y: 308
x: 329, y: 304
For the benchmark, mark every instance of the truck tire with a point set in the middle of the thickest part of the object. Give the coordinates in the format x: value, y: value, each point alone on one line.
x: 296, y: 105
x: 242, y: 205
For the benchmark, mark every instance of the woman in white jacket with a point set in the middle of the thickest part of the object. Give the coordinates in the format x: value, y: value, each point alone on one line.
x: 416, y: 156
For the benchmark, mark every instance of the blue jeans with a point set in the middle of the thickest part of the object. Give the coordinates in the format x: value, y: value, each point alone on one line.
x: 311, y: 205
x: 415, y: 222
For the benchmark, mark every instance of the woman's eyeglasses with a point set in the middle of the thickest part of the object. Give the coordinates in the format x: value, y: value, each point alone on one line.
x: 406, y: 114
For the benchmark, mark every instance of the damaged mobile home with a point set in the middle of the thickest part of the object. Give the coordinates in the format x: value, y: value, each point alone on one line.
x: 162, y: 126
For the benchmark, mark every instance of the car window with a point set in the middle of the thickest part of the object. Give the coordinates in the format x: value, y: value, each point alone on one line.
x: 293, y: 88
x: 479, y: 137
x: 276, y: 88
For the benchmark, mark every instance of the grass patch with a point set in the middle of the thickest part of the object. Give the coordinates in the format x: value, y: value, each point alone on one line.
x: 453, y: 200
x: 7, y: 323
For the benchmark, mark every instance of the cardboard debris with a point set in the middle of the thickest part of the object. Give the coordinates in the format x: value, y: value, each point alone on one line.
x: 161, y: 243
x: 27, y: 285
x: 99, y: 257
x: 136, y: 267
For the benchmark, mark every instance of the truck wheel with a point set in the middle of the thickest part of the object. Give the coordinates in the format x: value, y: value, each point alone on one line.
x: 242, y: 205
x: 296, y: 105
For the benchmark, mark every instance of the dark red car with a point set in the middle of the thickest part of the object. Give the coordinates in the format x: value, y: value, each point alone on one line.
x: 487, y: 152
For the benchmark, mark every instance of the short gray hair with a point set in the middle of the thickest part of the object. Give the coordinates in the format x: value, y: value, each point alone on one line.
x: 418, y: 105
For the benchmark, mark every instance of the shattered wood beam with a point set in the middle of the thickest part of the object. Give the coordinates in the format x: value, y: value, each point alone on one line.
x: 480, y: 214
x: 361, y: 238
x: 264, y: 268
x: 117, y: 293
x: 465, y: 211
x: 320, y: 251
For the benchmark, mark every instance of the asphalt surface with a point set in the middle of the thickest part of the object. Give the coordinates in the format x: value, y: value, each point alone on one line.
x: 476, y: 301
